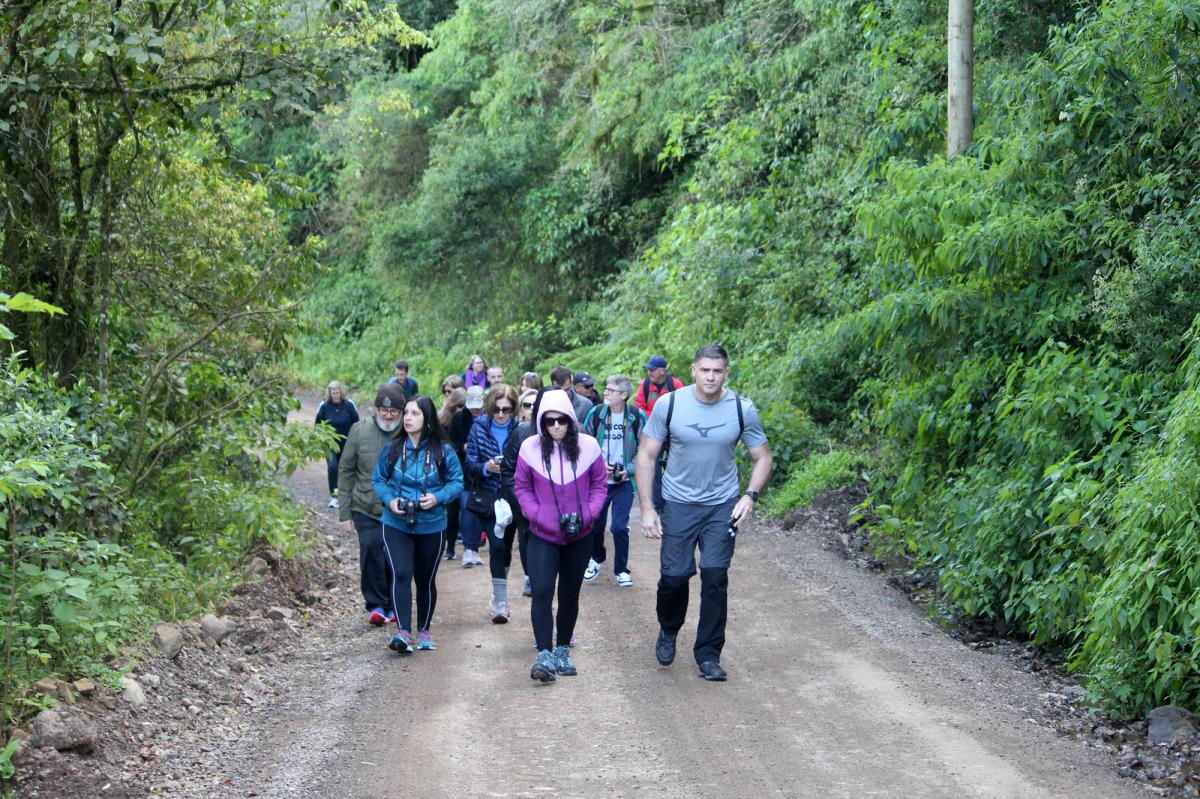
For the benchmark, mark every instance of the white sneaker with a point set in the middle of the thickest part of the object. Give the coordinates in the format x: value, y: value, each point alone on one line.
x: 593, y: 571
x: 624, y: 580
x: 333, y: 503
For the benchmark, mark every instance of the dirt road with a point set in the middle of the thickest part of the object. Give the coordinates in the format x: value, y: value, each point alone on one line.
x: 838, y: 687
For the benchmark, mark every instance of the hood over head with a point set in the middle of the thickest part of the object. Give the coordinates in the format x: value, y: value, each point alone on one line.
x: 556, y: 401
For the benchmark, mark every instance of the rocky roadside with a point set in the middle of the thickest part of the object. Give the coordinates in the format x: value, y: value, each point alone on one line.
x: 1162, y: 751
x: 206, y: 683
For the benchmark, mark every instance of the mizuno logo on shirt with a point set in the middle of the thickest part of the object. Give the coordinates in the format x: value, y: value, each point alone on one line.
x: 703, y: 431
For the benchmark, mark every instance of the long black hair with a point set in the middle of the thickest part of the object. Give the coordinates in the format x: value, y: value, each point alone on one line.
x: 431, y: 435
x: 570, y: 442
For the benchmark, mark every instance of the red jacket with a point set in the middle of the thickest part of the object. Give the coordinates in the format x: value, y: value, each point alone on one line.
x: 647, y: 393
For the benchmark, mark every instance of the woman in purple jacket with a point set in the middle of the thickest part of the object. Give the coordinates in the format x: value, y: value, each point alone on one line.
x: 561, y: 484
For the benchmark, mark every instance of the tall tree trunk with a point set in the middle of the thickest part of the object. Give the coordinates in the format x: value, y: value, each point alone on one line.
x: 960, y: 94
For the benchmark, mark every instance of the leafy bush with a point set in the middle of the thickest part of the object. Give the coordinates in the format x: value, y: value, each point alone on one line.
x: 816, y: 474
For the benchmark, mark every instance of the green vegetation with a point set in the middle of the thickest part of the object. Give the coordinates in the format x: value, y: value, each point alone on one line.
x: 153, y: 254
x: 814, y: 475
x: 1005, y: 341
x: 1006, y: 333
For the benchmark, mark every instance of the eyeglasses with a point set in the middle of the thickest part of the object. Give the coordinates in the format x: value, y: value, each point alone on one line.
x: 610, y: 390
x: 526, y: 405
x: 555, y: 421
x: 447, y: 389
x: 388, y: 411
x: 503, y: 409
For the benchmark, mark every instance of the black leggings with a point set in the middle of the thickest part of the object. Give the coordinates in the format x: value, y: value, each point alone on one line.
x: 567, y: 563
x: 413, y: 555
x: 500, y: 551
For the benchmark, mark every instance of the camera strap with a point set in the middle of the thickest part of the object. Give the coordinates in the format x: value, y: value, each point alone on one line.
x: 404, y: 464
x: 574, y: 474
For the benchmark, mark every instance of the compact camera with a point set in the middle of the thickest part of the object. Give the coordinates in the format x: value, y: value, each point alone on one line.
x: 409, y: 508
x: 618, y: 472
x: 570, y: 524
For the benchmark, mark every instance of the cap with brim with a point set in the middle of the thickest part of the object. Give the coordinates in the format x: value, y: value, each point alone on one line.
x: 656, y: 362
x: 389, y: 395
x: 584, y: 379
x: 475, y: 397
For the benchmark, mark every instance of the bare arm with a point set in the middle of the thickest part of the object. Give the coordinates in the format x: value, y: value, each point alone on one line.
x: 647, y: 457
x: 760, y: 456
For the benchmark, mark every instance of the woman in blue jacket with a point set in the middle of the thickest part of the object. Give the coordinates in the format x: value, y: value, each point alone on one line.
x: 339, y: 412
x: 416, y: 477
x: 485, y: 451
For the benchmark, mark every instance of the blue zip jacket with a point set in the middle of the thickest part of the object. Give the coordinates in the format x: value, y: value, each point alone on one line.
x: 416, y: 474
x: 482, y: 447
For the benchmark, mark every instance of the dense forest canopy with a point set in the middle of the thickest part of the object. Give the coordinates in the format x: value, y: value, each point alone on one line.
x: 1003, y: 342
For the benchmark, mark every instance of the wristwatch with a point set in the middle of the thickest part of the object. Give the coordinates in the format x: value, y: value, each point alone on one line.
x: 753, y: 495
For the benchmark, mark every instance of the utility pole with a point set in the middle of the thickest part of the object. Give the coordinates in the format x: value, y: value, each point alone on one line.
x: 960, y: 73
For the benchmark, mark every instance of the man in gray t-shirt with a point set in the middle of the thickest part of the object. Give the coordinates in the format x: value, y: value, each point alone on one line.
x: 701, y: 503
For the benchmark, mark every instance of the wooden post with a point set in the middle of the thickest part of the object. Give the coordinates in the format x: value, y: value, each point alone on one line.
x: 960, y: 73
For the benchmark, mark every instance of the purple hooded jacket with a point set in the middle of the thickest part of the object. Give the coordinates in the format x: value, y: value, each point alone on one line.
x: 582, y: 489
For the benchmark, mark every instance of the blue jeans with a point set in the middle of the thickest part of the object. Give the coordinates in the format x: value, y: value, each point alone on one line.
x: 620, y: 498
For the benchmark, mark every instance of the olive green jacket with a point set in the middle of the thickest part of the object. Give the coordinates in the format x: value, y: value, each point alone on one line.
x: 355, y: 468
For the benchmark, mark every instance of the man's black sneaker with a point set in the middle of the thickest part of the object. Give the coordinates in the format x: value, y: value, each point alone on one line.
x: 711, y: 670
x: 664, y: 650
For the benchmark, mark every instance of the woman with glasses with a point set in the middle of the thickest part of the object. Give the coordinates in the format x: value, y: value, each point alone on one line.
x: 416, y: 477
x: 485, y: 448
x: 561, y: 484
x: 450, y: 383
x: 453, y: 401
x: 476, y: 372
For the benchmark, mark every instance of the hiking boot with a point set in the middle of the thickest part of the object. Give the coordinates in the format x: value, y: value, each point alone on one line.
x: 401, y: 642
x: 593, y: 571
x: 562, y: 661
x: 425, y: 641
x: 499, y: 611
x: 711, y: 670
x: 664, y: 650
x: 378, y: 617
x: 528, y: 590
x: 333, y: 503
x: 624, y: 580
x: 544, y: 667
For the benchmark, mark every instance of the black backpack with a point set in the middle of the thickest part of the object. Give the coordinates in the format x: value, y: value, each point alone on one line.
x: 669, y: 386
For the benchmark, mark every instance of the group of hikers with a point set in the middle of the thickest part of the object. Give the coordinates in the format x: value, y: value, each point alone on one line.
x: 546, y: 466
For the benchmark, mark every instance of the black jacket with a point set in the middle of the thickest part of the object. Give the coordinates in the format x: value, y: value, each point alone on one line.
x: 508, y: 468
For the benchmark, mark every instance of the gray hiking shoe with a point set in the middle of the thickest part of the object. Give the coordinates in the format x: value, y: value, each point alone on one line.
x: 544, y: 667
x: 562, y: 661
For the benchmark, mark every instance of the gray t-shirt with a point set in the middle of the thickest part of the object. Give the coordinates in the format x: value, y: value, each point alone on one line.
x: 702, y: 469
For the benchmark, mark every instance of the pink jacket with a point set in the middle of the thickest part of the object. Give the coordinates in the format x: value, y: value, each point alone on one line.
x: 546, y: 490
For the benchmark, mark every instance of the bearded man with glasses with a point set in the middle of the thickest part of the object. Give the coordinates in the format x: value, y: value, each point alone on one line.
x: 361, y: 509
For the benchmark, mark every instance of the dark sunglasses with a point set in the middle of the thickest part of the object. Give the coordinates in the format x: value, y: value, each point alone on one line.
x: 526, y: 404
x: 503, y: 409
x: 555, y: 421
